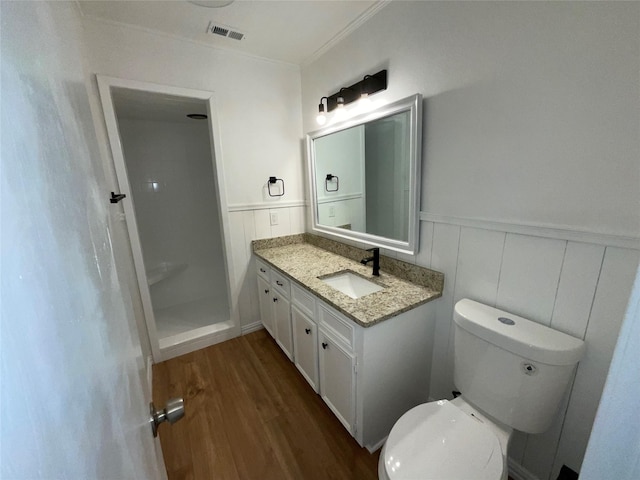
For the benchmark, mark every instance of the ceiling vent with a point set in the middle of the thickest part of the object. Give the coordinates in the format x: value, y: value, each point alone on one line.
x: 224, y: 31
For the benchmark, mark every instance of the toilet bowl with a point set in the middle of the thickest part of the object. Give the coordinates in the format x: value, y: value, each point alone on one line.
x: 512, y: 373
x: 445, y: 440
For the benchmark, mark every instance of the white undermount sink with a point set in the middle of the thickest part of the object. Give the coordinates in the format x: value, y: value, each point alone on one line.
x: 351, y: 284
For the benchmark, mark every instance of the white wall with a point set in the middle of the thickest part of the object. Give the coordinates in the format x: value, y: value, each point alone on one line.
x: 531, y: 108
x: 259, y: 119
x: 531, y: 120
x: 73, y: 403
x: 178, y: 219
x: 258, y: 101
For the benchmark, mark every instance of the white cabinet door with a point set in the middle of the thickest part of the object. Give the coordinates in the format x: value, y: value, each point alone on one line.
x: 337, y: 379
x: 282, y: 317
x: 305, y: 334
x: 266, y: 305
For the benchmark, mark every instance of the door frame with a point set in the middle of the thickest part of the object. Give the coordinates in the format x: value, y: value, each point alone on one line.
x: 204, y: 336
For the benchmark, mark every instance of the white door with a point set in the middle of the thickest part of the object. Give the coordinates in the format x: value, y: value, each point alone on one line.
x: 74, y: 401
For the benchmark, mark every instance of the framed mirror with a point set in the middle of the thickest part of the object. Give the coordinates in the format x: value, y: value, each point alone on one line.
x: 364, y: 176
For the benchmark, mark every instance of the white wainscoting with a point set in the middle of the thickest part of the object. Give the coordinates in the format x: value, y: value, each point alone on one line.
x: 253, y: 224
x: 576, y: 287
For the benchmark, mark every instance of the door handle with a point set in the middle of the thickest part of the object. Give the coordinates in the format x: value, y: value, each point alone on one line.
x: 172, y: 412
x: 307, y: 331
x: 324, y: 345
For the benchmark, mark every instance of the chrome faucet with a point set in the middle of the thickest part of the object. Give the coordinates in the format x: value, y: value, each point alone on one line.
x: 376, y: 260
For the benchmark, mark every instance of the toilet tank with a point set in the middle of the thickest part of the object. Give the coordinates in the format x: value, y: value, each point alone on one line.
x: 514, y: 369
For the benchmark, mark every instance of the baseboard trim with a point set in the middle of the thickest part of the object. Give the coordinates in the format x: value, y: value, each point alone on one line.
x: 537, y: 230
x: 377, y: 446
x: 252, y: 327
x: 518, y: 472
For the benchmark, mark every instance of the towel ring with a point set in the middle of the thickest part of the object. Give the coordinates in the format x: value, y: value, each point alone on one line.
x: 272, y: 181
x: 330, y: 178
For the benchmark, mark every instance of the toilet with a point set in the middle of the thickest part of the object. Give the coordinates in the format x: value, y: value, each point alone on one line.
x: 512, y: 374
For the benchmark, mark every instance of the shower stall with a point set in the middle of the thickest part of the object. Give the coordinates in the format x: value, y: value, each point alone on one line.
x: 174, y: 217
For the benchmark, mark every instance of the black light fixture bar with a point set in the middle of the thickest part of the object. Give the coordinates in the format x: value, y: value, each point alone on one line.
x: 369, y: 85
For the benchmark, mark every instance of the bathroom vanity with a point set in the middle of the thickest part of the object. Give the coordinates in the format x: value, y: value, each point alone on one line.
x: 369, y: 357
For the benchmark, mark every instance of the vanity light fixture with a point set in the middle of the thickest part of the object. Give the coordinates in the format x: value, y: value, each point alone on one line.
x: 340, y: 99
x: 365, y: 89
x: 369, y: 85
x: 321, y: 118
x: 340, y: 112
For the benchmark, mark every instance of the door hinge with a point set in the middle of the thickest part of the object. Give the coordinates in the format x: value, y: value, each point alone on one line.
x: 355, y: 368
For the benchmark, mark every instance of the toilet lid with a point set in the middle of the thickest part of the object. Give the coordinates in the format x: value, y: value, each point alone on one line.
x: 437, y: 440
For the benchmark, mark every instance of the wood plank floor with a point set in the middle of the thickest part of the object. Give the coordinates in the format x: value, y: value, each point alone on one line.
x: 251, y: 415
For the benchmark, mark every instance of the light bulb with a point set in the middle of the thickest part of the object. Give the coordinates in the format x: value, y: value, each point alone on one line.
x: 341, y: 112
x: 321, y: 118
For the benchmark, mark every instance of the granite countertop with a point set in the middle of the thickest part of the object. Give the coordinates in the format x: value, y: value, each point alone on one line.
x: 304, y: 263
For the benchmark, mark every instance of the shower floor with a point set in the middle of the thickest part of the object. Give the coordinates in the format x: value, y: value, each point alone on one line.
x: 188, y: 316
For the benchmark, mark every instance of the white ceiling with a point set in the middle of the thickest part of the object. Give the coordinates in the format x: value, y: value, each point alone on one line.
x: 294, y: 31
x: 139, y: 105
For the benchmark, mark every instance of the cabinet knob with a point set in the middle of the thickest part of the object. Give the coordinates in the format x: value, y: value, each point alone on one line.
x: 307, y: 331
x: 275, y: 299
x: 325, y: 345
x: 279, y: 283
x: 266, y: 290
x: 263, y: 270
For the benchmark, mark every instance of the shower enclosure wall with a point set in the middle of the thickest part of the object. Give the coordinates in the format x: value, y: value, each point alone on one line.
x: 170, y: 173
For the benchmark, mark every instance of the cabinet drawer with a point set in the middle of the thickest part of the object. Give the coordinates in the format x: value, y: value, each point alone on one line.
x: 263, y: 270
x: 280, y: 283
x: 338, y: 325
x: 303, y: 300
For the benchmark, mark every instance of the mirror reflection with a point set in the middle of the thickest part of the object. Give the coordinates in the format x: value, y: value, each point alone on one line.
x: 364, y: 177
